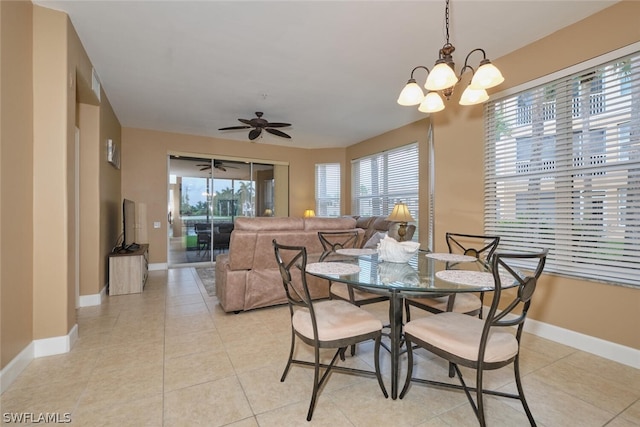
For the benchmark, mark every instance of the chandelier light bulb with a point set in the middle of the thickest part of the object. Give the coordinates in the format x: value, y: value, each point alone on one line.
x: 432, y: 103
x: 411, y: 94
x: 441, y: 77
x: 487, y: 76
x: 472, y: 96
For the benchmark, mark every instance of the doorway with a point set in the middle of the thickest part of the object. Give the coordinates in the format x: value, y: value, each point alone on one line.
x: 205, y: 197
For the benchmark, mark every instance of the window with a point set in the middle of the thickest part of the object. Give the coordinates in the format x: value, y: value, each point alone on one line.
x: 328, y: 189
x: 383, y: 179
x: 562, y: 171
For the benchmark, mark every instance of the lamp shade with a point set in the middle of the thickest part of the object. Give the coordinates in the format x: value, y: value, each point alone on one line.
x: 432, y: 103
x: 309, y: 213
x: 473, y: 96
x: 400, y: 213
x: 411, y: 94
x: 487, y: 76
x: 441, y: 77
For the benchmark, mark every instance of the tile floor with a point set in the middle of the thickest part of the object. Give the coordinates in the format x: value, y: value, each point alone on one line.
x: 171, y: 357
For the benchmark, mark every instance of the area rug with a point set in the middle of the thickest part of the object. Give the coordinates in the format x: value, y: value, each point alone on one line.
x: 208, y: 277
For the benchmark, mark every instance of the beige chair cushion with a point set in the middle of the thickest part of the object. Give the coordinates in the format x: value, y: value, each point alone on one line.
x: 336, y: 320
x: 459, y: 334
x: 342, y: 290
x: 464, y: 303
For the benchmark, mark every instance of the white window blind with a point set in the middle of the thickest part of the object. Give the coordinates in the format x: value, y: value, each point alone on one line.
x: 562, y: 171
x: 328, y: 189
x: 383, y: 179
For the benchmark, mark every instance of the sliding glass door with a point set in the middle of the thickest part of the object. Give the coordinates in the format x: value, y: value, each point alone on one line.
x: 205, y: 197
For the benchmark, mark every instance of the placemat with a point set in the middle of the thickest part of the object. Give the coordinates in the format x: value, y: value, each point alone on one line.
x: 465, y: 277
x: 339, y: 268
x: 356, y: 252
x: 445, y: 256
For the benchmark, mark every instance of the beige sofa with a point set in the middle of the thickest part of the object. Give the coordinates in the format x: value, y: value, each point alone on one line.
x: 248, y: 277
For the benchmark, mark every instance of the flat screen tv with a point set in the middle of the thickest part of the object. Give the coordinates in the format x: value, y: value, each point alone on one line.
x: 129, y: 225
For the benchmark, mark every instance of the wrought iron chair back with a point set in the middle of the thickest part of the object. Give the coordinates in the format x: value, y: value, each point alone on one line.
x: 479, y: 246
x: 348, y: 324
x: 333, y: 240
x: 493, y: 349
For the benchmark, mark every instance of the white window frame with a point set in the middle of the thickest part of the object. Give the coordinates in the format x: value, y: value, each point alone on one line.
x: 381, y: 180
x: 328, y: 183
x: 572, y: 185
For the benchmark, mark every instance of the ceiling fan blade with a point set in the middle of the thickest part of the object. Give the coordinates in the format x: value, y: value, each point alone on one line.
x: 245, y: 121
x: 278, y: 125
x: 255, y: 133
x: 221, y: 168
x: 278, y: 133
x: 235, y: 127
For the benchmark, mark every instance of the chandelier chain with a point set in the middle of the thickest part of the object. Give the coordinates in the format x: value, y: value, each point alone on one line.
x: 446, y: 20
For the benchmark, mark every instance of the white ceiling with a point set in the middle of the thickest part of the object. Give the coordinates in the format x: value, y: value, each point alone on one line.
x: 333, y: 69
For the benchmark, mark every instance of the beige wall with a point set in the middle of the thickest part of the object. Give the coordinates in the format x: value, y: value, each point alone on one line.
x: 16, y: 180
x: 604, y: 311
x: 45, y: 93
x: 50, y: 228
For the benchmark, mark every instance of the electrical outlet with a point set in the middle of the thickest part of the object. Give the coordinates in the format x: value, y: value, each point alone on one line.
x: 156, y: 224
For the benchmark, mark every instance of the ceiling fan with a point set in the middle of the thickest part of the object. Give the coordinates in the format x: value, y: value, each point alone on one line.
x: 259, y: 124
x: 217, y: 164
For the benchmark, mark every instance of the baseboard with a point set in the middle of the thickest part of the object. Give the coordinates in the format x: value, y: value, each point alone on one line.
x: 36, y: 348
x: 91, y: 300
x: 158, y: 266
x: 607, y: 349
x: 55, y: 345
x: 15, y: 367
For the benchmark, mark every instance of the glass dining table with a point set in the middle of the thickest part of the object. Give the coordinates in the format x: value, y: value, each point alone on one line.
x: 426, y: 274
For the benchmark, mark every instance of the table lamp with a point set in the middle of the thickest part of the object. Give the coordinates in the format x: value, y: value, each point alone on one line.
x: 309, y: 213
x: 402, y: 215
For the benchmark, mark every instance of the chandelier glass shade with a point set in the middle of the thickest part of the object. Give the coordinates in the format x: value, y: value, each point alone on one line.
x: 443, y: 78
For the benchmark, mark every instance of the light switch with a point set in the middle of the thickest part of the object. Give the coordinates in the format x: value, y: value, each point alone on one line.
x: 156, y: 224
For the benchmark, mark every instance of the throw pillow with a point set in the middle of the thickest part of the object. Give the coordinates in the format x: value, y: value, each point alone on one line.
x: 372, y: 243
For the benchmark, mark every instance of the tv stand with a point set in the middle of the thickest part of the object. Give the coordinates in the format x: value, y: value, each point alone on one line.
x: 128, y: 271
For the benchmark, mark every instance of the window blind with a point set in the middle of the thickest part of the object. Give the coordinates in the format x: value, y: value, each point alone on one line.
x: 562, y: 171
x: 328, y: 189
x: 381, y: 180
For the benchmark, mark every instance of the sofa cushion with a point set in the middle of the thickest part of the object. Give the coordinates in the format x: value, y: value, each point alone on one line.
x: 269, y: 223
x: 377, y: 224
x: 328, y: 224
x: 364, y: 222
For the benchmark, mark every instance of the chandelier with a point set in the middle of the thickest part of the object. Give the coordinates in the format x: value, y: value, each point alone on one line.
x: 442, y: 78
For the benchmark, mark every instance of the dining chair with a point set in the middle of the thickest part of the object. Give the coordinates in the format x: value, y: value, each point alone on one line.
x: 482, y: 344
x: 203, y: 237
x: 334, y: 324
x: 478, y: 246
x: 332, y: 241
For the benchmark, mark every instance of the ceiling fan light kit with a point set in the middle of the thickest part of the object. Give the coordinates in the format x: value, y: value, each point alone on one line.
x: 258, y: 124
x: 442, y: 79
